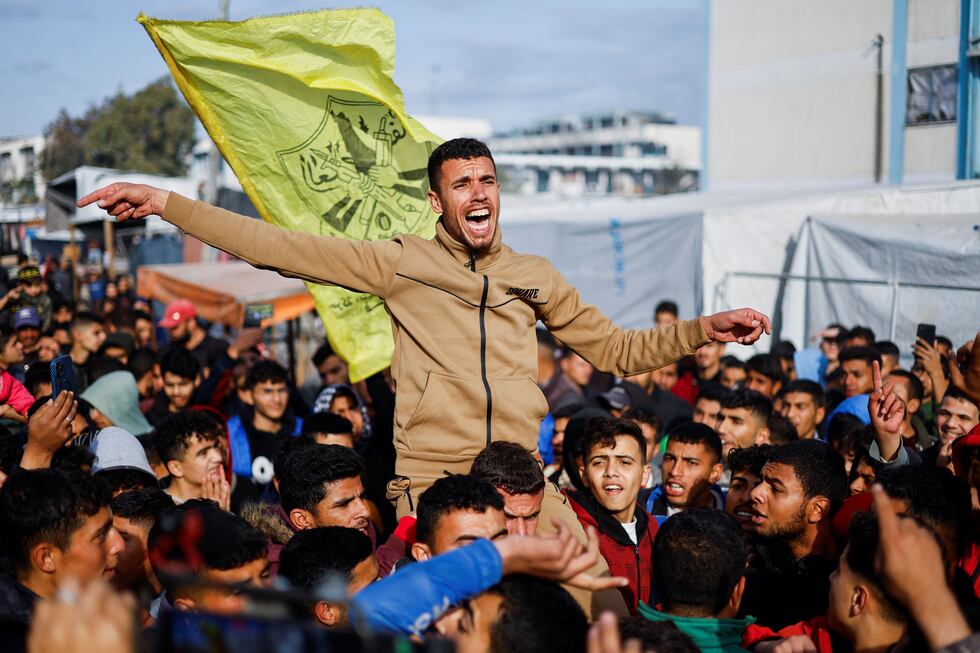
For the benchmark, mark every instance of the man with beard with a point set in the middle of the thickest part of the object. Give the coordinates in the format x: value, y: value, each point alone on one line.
x: 320, y: 485
x: 180, y: 321
x: 803, y: 483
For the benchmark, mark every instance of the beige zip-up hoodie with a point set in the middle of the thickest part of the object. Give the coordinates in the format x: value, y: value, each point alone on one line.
x: 465, y: 359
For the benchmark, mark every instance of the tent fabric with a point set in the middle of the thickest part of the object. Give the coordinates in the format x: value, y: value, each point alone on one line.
x: 220, y: 291
x: 942, y: 251
x: 623, y: 266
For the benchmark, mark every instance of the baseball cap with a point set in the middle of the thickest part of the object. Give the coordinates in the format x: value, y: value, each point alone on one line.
x: 27, y: 316
x: 176, y: 312
x: 617, y: 398
x: 28, y: 273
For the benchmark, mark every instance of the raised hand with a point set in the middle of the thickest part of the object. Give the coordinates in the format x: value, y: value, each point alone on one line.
x: 128, y: 201
x: 743, y: 326
x: 604, y: 637
x: 49, y: 429
x: 217, y: 488
x: 932, y: 363
x: 559, y: 557
x: 887, y: 412
x: 967, y: 380
x: 78, y: 620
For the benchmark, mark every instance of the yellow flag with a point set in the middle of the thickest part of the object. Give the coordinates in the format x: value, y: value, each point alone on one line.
x: 305, y: 111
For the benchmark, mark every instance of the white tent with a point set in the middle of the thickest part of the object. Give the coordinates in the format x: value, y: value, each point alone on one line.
x: 883, y: 257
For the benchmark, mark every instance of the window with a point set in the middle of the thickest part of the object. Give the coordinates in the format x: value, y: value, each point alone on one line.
x: 931, y: 95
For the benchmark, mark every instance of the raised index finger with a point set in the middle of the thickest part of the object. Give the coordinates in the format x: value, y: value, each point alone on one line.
x: 876, y: 375
x: 96, y: 195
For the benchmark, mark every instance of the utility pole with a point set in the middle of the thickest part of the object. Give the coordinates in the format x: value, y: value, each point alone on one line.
x: 879, y: 44
x: 214, y: 160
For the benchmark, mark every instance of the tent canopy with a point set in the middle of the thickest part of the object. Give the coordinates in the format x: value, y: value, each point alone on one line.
x: 220, y: 291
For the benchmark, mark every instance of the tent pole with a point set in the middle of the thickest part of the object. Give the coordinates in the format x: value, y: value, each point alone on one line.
x: 291, y: 348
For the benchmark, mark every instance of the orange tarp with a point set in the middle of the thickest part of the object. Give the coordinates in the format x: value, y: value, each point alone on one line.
x: 220, y: 291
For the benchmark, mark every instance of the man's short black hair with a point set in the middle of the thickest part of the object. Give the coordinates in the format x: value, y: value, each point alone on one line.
x: 781, y: 430
x: 694, y: 433
x: 863, y: 332
x: 210, y: 538
x: 767, y: 365
x: 46, y: 505
x: 602, y: 432
x: 567, y: 410
x: 712, y: 392
x: 863, y: 537
x: 887, y: 348
x: 783, y: 349
x: 141, y: 362
x: 127, y: 479
x: 455, y: 148
x: 179, y: 361
x: 644, y: 416
x: 175, y: 433
x: 510, y: 467
x: 305, y: 474
x: 659, y: 636
x: 698, y: 558
x: 751, y: 459
x: 536, y: 616
x: 85, y: 318
x: 955, y: 393
x: 313, y: 554
x: 327, y: 423
x: 266, y: 371
x: 916, y: 391
x: 844, y: 429
x: 731, y: 362
x: 934, y: 495
x: 808, y: 387
x: 36, y: 375
x: 322, y: 353
x: 545, y: 339
x: 666, y: 306
x: 819, y: 469
x: 943, y: 340
x: 867, y: 354
x: 141, y: 507
x: 451, y: 493
x: 756, y: 403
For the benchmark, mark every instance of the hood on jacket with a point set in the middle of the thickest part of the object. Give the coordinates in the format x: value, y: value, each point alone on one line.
x: 709, y: 635
x: 590, y: 512
x: 572, y: 445
x: 326, y: 396
x: 116, y: 397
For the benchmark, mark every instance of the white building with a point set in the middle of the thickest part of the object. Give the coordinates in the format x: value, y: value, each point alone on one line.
x: 840, y: 93
x: 19, y: 162
x: 621, y: 152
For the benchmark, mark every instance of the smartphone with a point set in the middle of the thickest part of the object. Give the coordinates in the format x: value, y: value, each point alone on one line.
x: 927, y: 332
x: 62, y: 376
x: 255, y: 314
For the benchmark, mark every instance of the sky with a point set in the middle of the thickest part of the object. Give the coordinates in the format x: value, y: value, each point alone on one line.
x: 509, y: 62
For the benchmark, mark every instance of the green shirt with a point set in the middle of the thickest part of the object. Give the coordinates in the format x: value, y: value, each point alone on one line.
x: 709, y: 635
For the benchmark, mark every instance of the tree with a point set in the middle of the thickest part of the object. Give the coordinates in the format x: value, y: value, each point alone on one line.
x: 151, y: 131
x: 64, y: 148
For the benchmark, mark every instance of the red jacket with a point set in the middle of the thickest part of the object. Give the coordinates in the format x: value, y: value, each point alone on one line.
x: 816, y: 629
x: 631, y: 561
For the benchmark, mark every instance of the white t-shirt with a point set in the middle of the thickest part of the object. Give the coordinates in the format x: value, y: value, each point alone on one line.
x: 630, y: 529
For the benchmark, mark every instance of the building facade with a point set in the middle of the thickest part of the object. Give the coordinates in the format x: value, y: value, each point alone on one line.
x: 21, y: 181
x: 841, y: 93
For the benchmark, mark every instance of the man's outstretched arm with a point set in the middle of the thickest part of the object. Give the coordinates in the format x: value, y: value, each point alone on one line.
x: 622, y: 352
x: 364, y: 266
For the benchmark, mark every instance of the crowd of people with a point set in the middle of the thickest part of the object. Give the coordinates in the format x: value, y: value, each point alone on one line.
x: 187, y: 495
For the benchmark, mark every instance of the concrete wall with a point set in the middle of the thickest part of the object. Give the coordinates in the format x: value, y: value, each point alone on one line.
x: 792, y: 91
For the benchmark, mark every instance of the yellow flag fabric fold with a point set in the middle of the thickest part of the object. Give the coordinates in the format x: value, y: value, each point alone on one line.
x: 304, y: 109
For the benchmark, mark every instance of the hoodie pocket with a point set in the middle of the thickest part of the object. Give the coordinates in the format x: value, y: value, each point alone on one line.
x: 450, y: 417
x: 518, y: 408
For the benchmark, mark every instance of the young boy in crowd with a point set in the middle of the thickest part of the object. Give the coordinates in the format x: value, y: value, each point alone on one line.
x: 14, y: 397
x: 328, y: 428
x: 803, y: 406
x: 182, y: 375
x: 255, y: 431
x: 744, y: 420
x: 614, y: 469
x: 699, y: 574
x: 192, y: 455
x: 691, y: 467
x: 29, y: 291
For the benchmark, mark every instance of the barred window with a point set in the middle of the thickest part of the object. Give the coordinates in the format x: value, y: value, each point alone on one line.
x: 931, y: 95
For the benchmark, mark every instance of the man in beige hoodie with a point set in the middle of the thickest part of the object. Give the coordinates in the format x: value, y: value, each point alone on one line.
x: 463, y: 308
